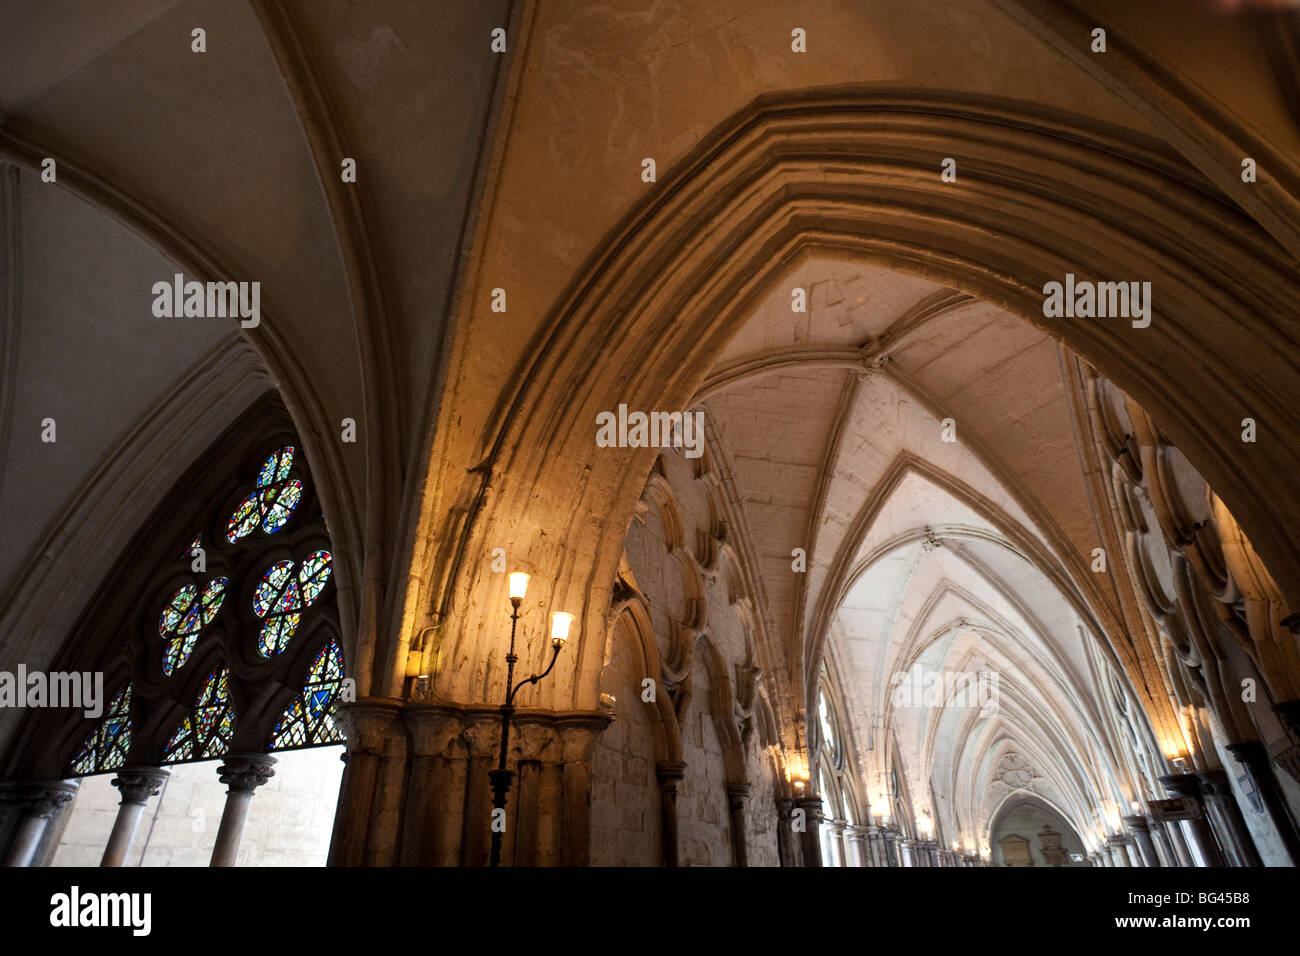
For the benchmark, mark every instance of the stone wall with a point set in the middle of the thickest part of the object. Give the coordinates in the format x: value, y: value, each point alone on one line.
x: 692, y: 601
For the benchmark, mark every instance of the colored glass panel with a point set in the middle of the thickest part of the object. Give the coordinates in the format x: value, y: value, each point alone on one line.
x: 205, y: 731
x: 272, y: 501
x: 106, y: 746
x: 308, y: 721
x: 184, y: 617
x: 281, y: 598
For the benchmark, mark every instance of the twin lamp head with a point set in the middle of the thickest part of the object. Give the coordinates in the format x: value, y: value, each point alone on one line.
x: 561, y: 621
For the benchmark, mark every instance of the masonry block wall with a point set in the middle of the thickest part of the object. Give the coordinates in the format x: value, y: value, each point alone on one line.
x: 702, y: 651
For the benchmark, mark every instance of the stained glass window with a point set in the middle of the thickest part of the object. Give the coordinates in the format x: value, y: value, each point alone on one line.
x: 309, y: 720
x: 194, y: 546
x: 205, y: 731
x: 106, y: 746
x: 184, y: 616
x: 283, y: 595
x: 271, y: 502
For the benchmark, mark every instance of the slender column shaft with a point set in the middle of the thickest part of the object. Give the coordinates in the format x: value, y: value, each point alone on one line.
x: 812, y: 847
x: 784, y: 833
x: 137, y: 786
x: 1118, y: 852
x: 1187, y: 785
x: 1218, y: 794
x: 669, y: 774
x: 890, y: 839
x: 243, y: 773
x: 737, y: 794
x: 1138, y: 826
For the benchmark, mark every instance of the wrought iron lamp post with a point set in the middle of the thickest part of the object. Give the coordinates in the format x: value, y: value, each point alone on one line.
x: 501, y: 777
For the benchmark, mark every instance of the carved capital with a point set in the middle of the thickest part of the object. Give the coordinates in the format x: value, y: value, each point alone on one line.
x: 244, y: 773
x: 40, y: 799
x: 369, y: 724
x: 432, y: 727
x: 737, y: 794
x: 579, y: 732
x: 1182, y: 785
x: 138, y: 785
x: 812, y: 806
x: 1214, y: 783
x: 669, y: 772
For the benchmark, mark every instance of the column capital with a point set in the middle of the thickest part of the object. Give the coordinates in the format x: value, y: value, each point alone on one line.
x: 244, y: 773
x: 812, y: 806
x: 432, y: 727
x: 579, y: 731
x: 368, y: 723
x: 670, y: 771
x: 738, y: 793
x: 1213, y: 782
x: 1249, y: 753
x: 42, y: 798
x: 139, y: 784
x: 1182, y: 785
x: 1137, y: 822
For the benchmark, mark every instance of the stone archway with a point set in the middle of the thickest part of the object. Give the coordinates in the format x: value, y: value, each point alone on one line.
x: 853, y: 174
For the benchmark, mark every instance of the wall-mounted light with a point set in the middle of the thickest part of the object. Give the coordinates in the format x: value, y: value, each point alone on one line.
x: 560, y: 623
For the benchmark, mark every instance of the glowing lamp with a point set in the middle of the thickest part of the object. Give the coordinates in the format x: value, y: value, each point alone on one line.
x: 518, y: 587
x: 560, y: 621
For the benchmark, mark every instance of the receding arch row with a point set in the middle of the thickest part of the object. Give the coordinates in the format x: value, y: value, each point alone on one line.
x: 844, y: 571
x: 844, y: 169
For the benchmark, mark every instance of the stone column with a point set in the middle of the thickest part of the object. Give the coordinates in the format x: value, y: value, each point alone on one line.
x: 907, y: 853
x: 1117, y: 847
x: 1141, y: 833
x: 835, y: 840
x: 737, y: 794
x: 875, y: 847
x: 1177, y: 842
x: 369, y: 725
x: 435, y: 791
x: 244, y: 773
x: 812, y: 847
x: 889, y: 836
x: 36, y: 804
x: 784, y: 835
x: 578, y: 734
x: 931, y: 850
x: 859, y: 851
x: 137, y: 787
x: 1219, y: 796
x: 1164, y: 847
x: 1187, y: 785
x: 669, y: 773
x: 1254, y: 758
